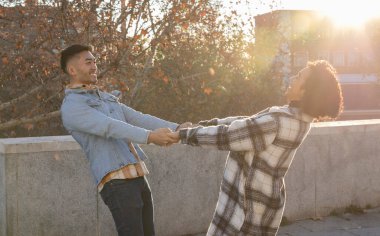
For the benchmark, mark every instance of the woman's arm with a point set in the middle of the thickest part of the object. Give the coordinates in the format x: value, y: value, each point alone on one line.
x: 246, y: 134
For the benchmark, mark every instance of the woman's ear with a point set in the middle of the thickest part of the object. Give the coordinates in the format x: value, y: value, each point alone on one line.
x: 302, y: 91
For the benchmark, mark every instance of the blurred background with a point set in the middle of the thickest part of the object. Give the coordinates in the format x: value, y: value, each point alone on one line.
x: 183, y: 60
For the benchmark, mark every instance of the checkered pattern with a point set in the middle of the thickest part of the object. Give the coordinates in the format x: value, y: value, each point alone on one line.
x: 127, y: 172
x: 252, y: 194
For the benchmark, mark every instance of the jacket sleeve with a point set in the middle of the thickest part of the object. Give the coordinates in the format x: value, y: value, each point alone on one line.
x: 249, y: 134
x: 77, y: 115
x: 227, y: 120
x: 146, y: 121
x: 223, y: 121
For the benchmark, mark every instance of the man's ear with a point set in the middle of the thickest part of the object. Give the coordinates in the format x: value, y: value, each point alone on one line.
x: 71, y: 70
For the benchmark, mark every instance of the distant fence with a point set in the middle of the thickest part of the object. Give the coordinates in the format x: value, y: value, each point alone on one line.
x: 46, y: 187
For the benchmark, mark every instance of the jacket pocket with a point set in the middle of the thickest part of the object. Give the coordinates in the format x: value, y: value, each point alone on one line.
x: 93, y: 103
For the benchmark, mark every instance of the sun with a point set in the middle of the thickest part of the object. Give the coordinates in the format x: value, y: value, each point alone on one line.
x: 350, y: 13
x: 344, y: 13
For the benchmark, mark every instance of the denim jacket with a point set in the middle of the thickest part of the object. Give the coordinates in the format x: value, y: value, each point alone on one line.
x: 103, y: 127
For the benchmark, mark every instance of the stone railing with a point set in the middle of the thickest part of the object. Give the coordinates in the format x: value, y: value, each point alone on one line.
x: 46, y: 187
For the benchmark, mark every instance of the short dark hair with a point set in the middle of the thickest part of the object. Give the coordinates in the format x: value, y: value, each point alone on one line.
x: 70, y: 52
x: 323, y: 94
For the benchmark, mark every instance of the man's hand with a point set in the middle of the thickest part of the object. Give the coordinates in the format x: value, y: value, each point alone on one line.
x: 184, y: 125
x: 175, y: 136
x: 161, y: 137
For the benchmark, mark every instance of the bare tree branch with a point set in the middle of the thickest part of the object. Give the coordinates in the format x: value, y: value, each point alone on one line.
x: 16, y: 122
x: 21, y: 98
x: 151, y: 19
x: 24, y: 96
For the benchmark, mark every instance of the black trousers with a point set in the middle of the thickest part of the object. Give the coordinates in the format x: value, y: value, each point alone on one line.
x: 131, y: 204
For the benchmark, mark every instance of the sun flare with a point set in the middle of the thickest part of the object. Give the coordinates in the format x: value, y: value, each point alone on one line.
x: 350, y: 13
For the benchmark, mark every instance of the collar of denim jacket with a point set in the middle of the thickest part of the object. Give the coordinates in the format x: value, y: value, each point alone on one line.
x: 81, y: 89
x: 82, y: 86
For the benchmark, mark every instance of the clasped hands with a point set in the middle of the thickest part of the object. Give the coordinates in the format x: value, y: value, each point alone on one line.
x: 165, y: 136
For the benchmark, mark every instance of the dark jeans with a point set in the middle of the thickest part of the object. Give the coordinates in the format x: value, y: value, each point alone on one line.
x: 130, y: 202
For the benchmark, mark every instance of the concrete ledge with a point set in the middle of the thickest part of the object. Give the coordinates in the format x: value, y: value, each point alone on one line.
x: 38, y: 144
x: 335, y: 127
x: 65, y: 143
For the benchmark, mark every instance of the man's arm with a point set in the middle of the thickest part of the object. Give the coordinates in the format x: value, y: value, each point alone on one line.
x: 241, y: 135
x: 78, y: 116
x: 146, y: 121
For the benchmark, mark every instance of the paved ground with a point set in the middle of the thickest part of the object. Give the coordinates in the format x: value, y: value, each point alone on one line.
x: 363, y: 224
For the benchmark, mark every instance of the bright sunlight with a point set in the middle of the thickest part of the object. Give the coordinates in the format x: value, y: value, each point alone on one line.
x: 350, y: 13
x: 344, y: 13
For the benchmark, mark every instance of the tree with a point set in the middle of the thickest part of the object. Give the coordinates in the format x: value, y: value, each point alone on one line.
x: 171, y: 58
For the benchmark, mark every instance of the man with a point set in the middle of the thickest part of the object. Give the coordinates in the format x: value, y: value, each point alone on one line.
x: 108, y: 132
x: 262, y: 147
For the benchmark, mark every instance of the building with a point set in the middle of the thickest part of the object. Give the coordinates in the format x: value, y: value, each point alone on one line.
x: 287, y: 39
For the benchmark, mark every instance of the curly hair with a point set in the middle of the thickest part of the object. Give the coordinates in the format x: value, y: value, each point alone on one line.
x: 322, y: 98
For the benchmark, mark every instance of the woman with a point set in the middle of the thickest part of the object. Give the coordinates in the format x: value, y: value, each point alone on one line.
x: 262, y: 147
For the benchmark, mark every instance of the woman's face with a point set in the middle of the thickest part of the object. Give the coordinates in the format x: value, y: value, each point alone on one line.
x: 296, y: 90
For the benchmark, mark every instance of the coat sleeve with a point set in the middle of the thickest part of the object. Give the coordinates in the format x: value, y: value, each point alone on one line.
x: 248, y: 134
x: 223, y: 121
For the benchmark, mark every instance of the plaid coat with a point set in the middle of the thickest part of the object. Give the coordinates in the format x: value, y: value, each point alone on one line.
x: 262, y: 147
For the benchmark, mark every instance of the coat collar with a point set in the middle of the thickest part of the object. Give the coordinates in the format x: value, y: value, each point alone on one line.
x: 293, y: 111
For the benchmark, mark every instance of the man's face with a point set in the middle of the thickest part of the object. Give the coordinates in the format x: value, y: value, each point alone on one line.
x: 295, y: 90
x: 82, y: 68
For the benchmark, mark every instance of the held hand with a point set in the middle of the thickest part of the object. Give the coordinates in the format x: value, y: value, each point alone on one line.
x: 161, y: 137
x: 175, y: 136
x: 184, y: 125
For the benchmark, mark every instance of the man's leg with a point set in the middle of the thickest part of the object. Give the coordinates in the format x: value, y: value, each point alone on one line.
x: 124, y: 199
x: 148, y: 211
